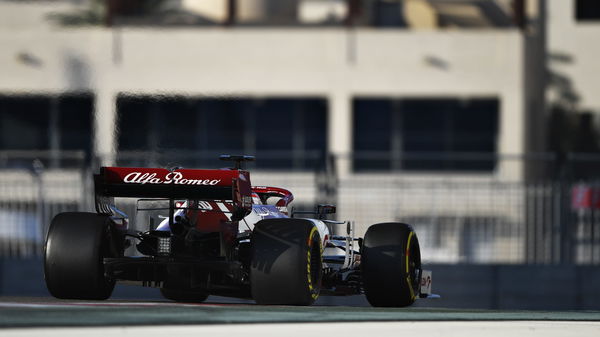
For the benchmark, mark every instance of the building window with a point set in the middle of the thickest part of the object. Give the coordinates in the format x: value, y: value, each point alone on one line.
x: 587, y: 10
x: 283, y: 133
x: 48, y: 125
x: 425, y: 134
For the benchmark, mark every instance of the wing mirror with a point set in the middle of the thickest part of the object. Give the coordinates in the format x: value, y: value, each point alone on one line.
x: 326, y: 209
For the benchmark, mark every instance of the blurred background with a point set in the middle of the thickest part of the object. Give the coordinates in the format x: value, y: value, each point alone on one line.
x: 477, y: 121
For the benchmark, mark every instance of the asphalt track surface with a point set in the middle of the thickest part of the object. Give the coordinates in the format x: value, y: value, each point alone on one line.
x: 29, y: 312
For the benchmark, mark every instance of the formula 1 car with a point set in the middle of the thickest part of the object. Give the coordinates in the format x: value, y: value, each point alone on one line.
x: 222, y: 236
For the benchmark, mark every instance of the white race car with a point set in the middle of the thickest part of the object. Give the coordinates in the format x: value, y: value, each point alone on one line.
x: 222, y: 236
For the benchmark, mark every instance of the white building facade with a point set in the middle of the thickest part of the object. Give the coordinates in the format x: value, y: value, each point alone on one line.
x: 342, y: 69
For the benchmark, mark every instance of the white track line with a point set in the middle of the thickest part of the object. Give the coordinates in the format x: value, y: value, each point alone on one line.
x: 384, y: 329
x: 104, y: 304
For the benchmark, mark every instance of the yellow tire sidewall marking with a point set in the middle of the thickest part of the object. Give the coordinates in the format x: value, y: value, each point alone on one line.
x: 313, y: 294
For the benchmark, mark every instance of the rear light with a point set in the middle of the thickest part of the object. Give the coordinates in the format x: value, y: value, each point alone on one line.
x: 164, y: 246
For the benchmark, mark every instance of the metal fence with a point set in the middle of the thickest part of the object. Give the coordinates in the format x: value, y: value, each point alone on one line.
x: 473, y: 217
x: 34, y: 186
x: 464, y: 221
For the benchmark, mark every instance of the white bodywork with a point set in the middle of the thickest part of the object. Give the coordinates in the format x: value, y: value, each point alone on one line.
x: 259, y: 212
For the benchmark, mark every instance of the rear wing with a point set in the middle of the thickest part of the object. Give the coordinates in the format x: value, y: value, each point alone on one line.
x: 137, y: 182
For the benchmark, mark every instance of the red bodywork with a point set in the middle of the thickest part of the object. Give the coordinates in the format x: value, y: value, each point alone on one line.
x: 217, y: 199
x: 227, y: 187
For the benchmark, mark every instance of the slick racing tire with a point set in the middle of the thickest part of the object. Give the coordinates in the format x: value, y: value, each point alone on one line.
x: 391, y: 265
x: 287, y: 264
x: 185, y: 296
x: 73, y: 256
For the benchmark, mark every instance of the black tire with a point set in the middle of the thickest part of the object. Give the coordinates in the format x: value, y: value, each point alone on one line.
x: 391, y: 265
x: 287, y: 262
x: 185, y: 296
x: 73, y: 256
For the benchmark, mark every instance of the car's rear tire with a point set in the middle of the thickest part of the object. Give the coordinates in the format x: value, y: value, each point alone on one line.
x: 73, y: 256
x: 185, y: 296
x: 287, y: 264
x: 391, y: 265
